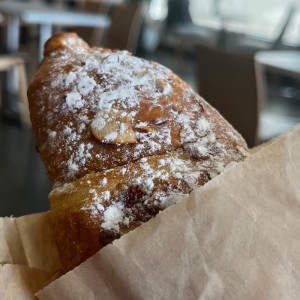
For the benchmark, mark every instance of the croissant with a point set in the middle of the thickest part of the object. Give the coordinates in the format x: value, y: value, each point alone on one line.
x: 121, y: 138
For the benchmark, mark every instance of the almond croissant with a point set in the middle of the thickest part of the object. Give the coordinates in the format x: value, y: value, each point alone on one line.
x: 121, y: 138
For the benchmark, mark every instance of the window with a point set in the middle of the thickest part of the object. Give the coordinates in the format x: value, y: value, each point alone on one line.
x: 261, y: 18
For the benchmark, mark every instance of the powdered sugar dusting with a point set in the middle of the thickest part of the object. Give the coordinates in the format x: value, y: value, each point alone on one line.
x: 111, y: 136
x: 113, y: 216
x: 86, y: 85
x: 70, y: 78
x: 138, y: 137
x: 74, y: 100
x: 145, y: 174
x: 116, y: 92
x: 124, y: 90
x: 79, y: 158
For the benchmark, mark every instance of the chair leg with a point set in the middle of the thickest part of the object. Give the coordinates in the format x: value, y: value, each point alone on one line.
x: 0, y: 94
x: 23, y: 101
x: 135, y: 29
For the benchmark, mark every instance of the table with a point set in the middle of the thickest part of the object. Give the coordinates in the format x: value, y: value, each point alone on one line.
x: 285, y: 62
x: 45, y: 16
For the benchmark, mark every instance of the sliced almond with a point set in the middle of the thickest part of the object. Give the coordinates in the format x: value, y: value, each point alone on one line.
x: 182, y: 133
x: 112, y: 131
x: 144, y: 129
x: 141, y: 73
x: 160, y: 84
x: 161, y: 122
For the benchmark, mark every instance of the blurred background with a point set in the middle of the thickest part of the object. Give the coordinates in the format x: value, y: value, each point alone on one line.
x: 243, y: 56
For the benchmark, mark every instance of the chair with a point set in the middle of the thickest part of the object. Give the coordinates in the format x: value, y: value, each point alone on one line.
x: 15, y: 64
x: 125, y: 27
x: 126, y: 23
x: 227, y: 82
x: 94, y: 36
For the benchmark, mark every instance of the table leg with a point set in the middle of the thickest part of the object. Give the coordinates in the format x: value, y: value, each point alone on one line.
x: 13, y: 33
x: 45, y: 34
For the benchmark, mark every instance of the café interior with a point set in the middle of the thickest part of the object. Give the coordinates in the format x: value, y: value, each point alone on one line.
x: 242, y: 56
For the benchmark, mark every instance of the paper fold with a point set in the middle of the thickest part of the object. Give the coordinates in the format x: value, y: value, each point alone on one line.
x: 21, y: 282
x: 29, y: 241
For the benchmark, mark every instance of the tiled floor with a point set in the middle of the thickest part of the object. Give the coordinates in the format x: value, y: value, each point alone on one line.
x: 23, y: 183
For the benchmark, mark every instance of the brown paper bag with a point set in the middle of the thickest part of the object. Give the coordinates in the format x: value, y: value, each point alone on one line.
x: 21, y: 282
x: 29, y: 241
x: 238, y: 237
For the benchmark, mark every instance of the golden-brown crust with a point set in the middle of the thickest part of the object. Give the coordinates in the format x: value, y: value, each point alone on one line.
x: 75, y: 83
x: 122, y: 138
x: 93, y: 211
x: 62, y: 41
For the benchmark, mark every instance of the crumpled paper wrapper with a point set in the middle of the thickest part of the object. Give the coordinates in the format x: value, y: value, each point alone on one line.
x: 20, y: 282
x: 238, y: 237
x: 29, y: 241
x: 28, y: 256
